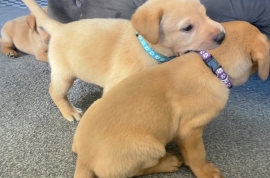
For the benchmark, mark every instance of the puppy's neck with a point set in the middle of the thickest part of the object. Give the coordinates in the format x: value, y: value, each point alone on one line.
x: 155, y: 51
x: 163, y: 50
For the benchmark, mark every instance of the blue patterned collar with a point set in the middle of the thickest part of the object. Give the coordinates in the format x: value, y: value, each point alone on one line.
x: 151, y: 52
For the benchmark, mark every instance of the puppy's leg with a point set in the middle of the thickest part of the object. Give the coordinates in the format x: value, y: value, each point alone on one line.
x: 74, y: 148
x: 7, y: 48
x: 61, y: 82
x: 169, y: 163
x: 193, y: 151
x: 82, y: 171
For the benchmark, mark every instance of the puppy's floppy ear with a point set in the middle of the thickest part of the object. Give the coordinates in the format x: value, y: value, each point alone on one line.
x: 260, y: 54
x: 31, y: 20
x: 146, y: 21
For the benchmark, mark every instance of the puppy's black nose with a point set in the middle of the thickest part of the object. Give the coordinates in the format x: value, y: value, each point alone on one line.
x: 219, y: 38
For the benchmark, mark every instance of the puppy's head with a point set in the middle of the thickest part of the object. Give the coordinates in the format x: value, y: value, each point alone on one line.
x: 33, y: 25
x: 244, y: 51
x: 179, y: 25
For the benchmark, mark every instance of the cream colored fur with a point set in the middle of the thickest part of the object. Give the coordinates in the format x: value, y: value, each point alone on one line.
x: 124, y: 133
x: 24, y: 34
x: 105, y: 51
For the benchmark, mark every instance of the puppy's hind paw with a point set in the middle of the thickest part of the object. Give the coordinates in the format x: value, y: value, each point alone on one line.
x: 208, y: 171
x: 11, y: 53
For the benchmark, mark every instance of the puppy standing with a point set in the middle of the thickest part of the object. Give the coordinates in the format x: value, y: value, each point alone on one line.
x: 105, y: 51
x: 124, y: 133
x: 24, y: 34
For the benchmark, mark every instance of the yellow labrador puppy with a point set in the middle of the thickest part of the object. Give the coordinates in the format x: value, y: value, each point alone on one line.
x: 24, y: 34
x: 124, y: 133
x: 105, y: 51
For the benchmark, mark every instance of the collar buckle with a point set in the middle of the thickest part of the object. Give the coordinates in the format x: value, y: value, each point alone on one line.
x: 212, y: 63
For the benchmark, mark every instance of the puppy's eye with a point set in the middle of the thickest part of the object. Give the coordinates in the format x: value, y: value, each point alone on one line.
x: 188, y: 28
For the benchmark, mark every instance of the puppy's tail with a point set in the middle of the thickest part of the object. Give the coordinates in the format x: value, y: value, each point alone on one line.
x: 44, y: 20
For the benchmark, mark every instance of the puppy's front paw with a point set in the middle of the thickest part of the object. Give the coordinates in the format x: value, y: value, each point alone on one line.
x: 11, y: 53
x: 75, y: 114
x: 209, y: 170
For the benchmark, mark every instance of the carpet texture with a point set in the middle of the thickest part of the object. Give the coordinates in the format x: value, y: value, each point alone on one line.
x: 36, y: 140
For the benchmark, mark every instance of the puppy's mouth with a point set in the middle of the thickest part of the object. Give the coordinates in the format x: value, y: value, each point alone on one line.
x: 184, y: 52
x: 188, y: 51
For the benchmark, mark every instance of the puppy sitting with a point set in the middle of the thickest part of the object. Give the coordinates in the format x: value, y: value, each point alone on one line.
x: 24, y: 34
x: 124, y: 133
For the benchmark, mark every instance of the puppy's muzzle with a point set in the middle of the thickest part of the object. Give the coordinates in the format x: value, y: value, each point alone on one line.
x: 219, y: 38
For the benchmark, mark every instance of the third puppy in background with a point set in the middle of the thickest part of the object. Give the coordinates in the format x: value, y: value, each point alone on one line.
x: 105, y: 51
x: 24, y: 35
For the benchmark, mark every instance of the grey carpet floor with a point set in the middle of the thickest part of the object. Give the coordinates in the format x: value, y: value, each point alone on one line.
x: 35, y: 140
